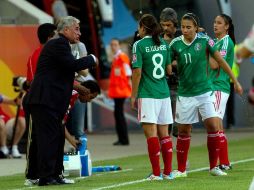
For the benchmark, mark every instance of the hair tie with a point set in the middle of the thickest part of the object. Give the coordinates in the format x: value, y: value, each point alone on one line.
x: 189, y: 15
x: 145, y: 26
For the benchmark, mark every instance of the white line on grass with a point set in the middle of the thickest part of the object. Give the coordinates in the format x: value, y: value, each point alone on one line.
x: 33, y: 187
x: 233, y: 163
x: 252, y: 185
x: 121, y: 184
x: 78, y: 178
x: 142, y: 180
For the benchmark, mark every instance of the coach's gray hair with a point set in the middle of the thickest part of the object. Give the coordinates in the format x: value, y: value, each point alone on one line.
x: 66, y: 22
x: 169, y: 14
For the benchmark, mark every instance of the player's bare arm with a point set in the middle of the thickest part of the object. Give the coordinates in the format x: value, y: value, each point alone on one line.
x: 213, y: 64
x: 243, y: 52
x: 136, y: 76
x: 223, y: 64
x: 169, y: 69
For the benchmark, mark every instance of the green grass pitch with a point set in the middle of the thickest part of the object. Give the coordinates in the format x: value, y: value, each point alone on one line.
x: 136, y: 168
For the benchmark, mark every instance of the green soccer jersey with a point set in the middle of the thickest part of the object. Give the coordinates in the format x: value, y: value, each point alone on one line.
x: 221, y: 80
x: 152, y: 59
x: 192, y: 63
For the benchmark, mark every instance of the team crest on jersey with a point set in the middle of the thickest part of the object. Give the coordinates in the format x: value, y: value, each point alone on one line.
x: 211, y: 42
x: 223, y: 52
x: 197, y: 46
x: 134, y: 58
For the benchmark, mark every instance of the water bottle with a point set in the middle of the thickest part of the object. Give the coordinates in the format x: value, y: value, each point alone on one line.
x: 86, y: 164
x: 83, y: 145
x: 252, y: 59
x: 105, y: 168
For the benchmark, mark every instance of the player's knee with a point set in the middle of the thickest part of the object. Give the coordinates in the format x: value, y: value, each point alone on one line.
x: 184, y: 130
x: 211, y: 124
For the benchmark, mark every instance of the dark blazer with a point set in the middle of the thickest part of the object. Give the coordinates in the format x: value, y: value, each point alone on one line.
x: 53, y: 82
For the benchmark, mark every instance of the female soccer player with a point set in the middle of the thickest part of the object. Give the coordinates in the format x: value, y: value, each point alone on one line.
x: 195, y: 93
x: 151, y: 60
x: 225, y: 40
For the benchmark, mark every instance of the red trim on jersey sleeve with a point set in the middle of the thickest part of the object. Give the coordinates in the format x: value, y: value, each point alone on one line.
x: 74, y: 97
x: 32, y: 64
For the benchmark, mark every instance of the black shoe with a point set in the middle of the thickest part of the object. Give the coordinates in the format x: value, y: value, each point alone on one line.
x: 117, y: 143
x: 2, y: 155
x: 62, y: 180
x: 47, y: 181
x: 225, y: 167
x: 230, y: 126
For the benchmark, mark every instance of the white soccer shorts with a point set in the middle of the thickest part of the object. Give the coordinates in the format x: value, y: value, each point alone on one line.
x: 187, y: 108
x: 157, y: 111
x: 220, y: 103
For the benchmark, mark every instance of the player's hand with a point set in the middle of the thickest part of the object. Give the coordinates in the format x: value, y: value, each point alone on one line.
x: 97, y: 62
x: 95, y: 59
x: 238, y: 88
x: 18, y: 101
x: 84, y: 98
x: 83, y: 91
x: 74, y: 142
x: 133, y: 103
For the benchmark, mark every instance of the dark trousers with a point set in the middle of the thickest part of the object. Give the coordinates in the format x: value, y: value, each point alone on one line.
x: 230, y: 107
x: 120, y: 122
x: 50, y: 140
x: 31, y: 153
x: 31, y: 156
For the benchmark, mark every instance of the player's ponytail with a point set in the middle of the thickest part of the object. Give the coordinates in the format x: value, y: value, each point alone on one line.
x: 231, y: 29
x: 151, y: 27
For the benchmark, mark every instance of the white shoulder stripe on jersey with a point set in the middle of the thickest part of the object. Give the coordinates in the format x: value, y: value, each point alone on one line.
x: 225, y: 43
x: 134, y: 48
x: 174, y: 40
x: 202, y: 36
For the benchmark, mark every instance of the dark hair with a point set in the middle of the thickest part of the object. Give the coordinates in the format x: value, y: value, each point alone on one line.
x: 193, y: 17
x: 151, y: 26
x: 45, y: 31
x: 228, y: 20
x: 92, y: 86
x: 169, y: 14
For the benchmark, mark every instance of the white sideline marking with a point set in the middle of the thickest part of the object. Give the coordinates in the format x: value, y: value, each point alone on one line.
x: 121, y: 184
x: 252, y: 185
x: 233, y: 163
x: 143, y: 180
x: 33, y: 187
x: 78, y: 178
x: 191, y: 171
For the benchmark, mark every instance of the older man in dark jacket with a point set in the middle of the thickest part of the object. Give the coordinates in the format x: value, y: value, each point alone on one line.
x: 49, y: 96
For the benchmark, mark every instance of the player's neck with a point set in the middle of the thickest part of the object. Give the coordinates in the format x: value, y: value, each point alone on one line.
x: 189, y: 40
x: 168, y: 38
x: 220, y: 36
